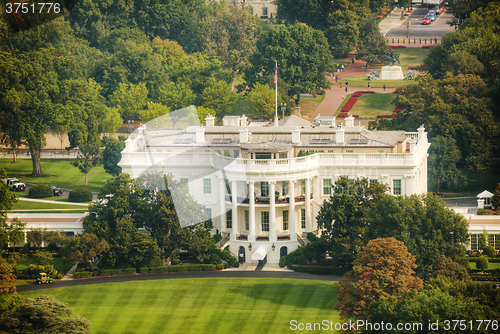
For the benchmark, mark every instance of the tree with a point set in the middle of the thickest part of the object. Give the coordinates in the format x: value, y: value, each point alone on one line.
x: 43, y: 315
x: 343, y: 217
x: 261, y: 101
x: 424, y: 224
x: 87, y: 248
x: 444, y: 266
x: 372, y: 45
x: 153, y: 111
x: 129, y: 99
x: 111, y: 155
x: 302, y: 54
x: 16, y: 232
x: 483, y: 238
x: 443, y: 158
x: 218, y: 96
x: 8, y: 291
x: 495, y: 200
x: 37, y: 236
x: 383, y: 269
x: 42, y: 257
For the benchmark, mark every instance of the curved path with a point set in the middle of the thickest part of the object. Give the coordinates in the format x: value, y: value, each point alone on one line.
x: 333, y: 96
x: 205, y: 274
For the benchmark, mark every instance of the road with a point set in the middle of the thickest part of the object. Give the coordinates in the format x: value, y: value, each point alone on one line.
x: 206, y: 274
x: 437, y: 28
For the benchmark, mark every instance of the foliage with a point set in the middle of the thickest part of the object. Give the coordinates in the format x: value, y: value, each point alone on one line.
x: 424, y: 224
x: 489, y: 251
x: 218, y: 96
x: 111, y: 155
x: 87, y: 248
x: 80, y: 195
x: 454, y: 107
x: 482, y: 263
x: 43, y: 315
x: 15, y: 231
x: 261, y: 101
x: 383, y: 269
x: 444, y: 266
x: 42, y: 257
x: 8, y: 290
x: 40, y: 191
x: 313, y: 251
x: 495, y: 200
x: 343, y: 217
x: 36, y: 236
x: 302, y: 54
x: 130, y: 99
x: 372, y: 45
x: 176, y: 95
x: 443, y: 158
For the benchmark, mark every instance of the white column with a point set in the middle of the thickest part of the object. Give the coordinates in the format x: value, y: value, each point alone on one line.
x: 222, y: 204
x: 234, y: 207
x: 291, y: 189
x: 251, y: 214
x: 272, y: 212
x: 308, y: 205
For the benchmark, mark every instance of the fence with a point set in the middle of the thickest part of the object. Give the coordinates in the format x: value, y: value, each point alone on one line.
x: 402, y: 40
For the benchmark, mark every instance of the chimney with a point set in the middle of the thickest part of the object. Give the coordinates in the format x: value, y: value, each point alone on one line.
x: 296, y: 135
x: 244, y: 136
x: 349, y: 121
x: 210, y: 120
x: 339, y: 135
x: 421, y: 132
x: 243, y: 120
x: 200, y: 135
x: 128, y: 145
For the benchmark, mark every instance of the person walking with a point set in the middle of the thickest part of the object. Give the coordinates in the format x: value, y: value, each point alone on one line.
x: 342, y: 68
x: 384, y: 88
x: 347, y: 83
x: 346, y: 89
x: 368, y: 84
x: 340, y: 85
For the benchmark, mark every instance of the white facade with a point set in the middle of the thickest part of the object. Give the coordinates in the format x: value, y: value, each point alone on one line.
x: 236, y: 170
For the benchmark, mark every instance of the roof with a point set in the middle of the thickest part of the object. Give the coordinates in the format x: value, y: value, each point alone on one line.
x: 266, y: 147
x: 291, y: 121
x: 485, y: 194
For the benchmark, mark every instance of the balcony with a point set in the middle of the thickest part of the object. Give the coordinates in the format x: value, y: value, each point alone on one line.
x: 266, y: 200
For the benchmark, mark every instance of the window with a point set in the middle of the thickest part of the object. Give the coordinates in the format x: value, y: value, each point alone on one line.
x: 473, y: 241
x: 185, y: 183
x: 284, y: 188
x: 285, y: 220
x: 264, y: 189
x: 380, y: 151
x: 247, y: 220
x: 236, y: 153
x: 264, y: 215
x: 209, y: 213
x: 283, y: 155
x: 372, y: 180
x: 303, y: 187
x: 228, y: 188
x: 229, y: 219
x: 396, y: 187
x: 263, y: 155
x: 264, y: 11
x: 348, y: 151
x: 494, y: 240
x: 207, y: 186
x: 327, y: 187
x: 303, y: 218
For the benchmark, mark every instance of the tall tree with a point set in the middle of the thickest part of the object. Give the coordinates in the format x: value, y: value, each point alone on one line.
x: 383, y: 269
x: 219, y: 97
x: 343, y: 217
x: 8, y: 291
x: 443, y: 158
x: 86, y: 248
x: 176, y: 95
x: 130, y: 99
x: 302, y: 54
x: 111, y: 155
x: 16, y: 232
x: 261, y: 101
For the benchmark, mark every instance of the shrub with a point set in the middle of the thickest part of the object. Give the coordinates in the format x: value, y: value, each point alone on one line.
x: 319, y: 270
x: 83, y: 274
x: 482, y: 263
x: 489, y: 251
x: 80, y: 195
x: 40, y: 191
x: 42, y: 257
x: 444, y: 266
x: 217, y: 237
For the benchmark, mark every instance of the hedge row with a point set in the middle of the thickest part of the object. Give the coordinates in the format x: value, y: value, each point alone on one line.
x: 181, y: 268
x: 490, y: 259
x: 480, y: 277
x: 387, y: 116
x: 319, y: 270
x: 117, y: 272
x: 83, y: 274
x: 40, y: 191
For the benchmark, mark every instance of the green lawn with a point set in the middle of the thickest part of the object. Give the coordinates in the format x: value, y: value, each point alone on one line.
x: 211, y: 305
x: 368, y: 106
x: 361, y: 82
x: 308, y: 105
x: 53, y: 198
x: 412, y: 57
x: 58, y: 263
x: 59, y: 172
x: 25, y: 205
x: 476, y: 183
x: 491, y: 265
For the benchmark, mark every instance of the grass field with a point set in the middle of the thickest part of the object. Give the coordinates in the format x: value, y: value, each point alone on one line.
x: 58, y: 263
x: 361, y: 82
x: 491, y: 265
x: 368, y: 106
x: 59, y: 172
x: 308, y: 105
x: 224, y: 305
x: 25, y: 205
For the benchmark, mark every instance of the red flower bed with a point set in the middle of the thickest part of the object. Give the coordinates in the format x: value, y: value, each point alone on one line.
x: 397, y: 46
x: 357, y: 94
x: 414, y: 68
x: 262, y: 238
x: 284, y: 238
x: 387, y: 116
x: 398, y: 109
x: 427, y: 46
x: 242, y: 237
x: 349, y: 104
x: 346, y: 114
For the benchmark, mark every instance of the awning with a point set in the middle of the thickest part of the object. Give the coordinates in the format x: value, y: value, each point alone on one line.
x: 260, y: 253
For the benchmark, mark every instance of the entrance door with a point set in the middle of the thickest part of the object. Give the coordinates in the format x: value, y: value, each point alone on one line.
x: 241, y: 254
x: 283, y: 251
x: 263, y: 262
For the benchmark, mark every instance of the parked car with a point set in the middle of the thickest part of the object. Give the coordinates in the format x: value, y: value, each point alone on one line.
x: 432, y: 15
x: 14, y: 184
x: 426, y: 20
x: 57, y: 191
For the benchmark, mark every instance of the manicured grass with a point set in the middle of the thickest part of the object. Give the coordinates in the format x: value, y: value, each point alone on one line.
x: 412, y: 57
x: 308, y: 105
x: 52, y: 211
x: 211, y: 305
x: 368, y: 106
x: 53, y: 198
x: 476, y: 183
x: 58, y: 263
x: 59, y: 172
x: 25, y: 205
x: 491, y: 265
x: 361, y: 82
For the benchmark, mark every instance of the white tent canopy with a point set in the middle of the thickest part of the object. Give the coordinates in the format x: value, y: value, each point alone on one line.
x: 260, y: 253
x: 485, y: 194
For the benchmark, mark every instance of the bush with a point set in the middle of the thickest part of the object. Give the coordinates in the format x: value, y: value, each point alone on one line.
x: 40, y: 191
x: 482, y: 263
x: 80, y: 195
x: 83, y: 274
x: 217, y: 237
x: 42, y: 257
x: 117, y: 272
x: 319, y: 270
x: 489, y: 251
x: 183, y: 268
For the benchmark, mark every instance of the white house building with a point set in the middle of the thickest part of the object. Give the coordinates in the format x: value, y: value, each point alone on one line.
x: 258, y: 187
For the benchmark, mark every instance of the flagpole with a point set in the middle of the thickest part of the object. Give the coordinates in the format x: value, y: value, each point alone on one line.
x: 276, y: 81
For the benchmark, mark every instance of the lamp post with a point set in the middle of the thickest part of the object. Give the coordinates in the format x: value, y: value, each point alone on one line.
x: 283, y: 108
x: 130, y: 125
x: 250, y: 247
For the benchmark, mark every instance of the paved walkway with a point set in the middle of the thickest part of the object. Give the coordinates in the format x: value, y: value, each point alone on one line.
x: 70, y: 275
x: 333, y: 96
x: 393, y: 20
